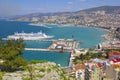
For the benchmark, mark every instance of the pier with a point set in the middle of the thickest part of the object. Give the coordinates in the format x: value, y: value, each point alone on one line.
x: 61, y: 45
x: 48, y: 40
x: 39, y: 49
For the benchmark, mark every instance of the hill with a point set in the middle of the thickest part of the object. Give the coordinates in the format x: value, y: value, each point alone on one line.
x: 107, y: 9
x: 103, y: 16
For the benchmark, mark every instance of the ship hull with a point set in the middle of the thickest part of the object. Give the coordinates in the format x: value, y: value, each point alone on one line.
x: 28, y: 36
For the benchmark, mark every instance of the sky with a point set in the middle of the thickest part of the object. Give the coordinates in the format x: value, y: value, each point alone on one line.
x: 21, y: 7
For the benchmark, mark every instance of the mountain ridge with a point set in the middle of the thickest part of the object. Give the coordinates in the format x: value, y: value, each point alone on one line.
x: 105, y: 8
x: 103, y: 16
x: 108, y: 9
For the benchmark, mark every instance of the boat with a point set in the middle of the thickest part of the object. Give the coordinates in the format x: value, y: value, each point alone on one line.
x: 61, y: 50
x: 28, y: 36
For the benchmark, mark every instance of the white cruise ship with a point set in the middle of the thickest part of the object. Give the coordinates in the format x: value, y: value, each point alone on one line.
x: 28, y: 36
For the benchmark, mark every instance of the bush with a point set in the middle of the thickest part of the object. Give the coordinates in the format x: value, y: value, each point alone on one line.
x: 38, y: 61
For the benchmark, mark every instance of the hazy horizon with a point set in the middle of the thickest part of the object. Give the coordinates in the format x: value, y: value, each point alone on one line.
x: 22, y: 7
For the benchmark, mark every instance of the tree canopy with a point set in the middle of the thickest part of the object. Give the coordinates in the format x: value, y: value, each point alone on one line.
x: 11, y: 53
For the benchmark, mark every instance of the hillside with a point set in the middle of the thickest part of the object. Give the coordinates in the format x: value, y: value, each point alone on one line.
x: 103, y: 16
x: 107, y: 9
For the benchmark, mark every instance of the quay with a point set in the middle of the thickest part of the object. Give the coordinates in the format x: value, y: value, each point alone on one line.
x: 61, y: 45
x: 51, y: 40
x: 39, y: 49
x: 64, y: 45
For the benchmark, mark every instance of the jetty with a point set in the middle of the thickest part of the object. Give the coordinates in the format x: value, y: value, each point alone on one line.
x: 61, y: 45
x: 66, y: 45
x: 47, y: 40
x: 39, y: 49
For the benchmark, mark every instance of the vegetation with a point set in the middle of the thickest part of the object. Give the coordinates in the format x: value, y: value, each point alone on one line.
x: 1, y: 74
x: 87, y: 56
x: 31, y: 71
x: 108, y: 50
x: 25, y: 79
x: 11, y: 54
x: 91, y: 54
x: 38, y: 61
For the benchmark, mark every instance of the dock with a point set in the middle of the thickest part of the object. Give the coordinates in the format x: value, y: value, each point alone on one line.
x: 51, y: 40
x: 61, y: 45
x: 39, y: 49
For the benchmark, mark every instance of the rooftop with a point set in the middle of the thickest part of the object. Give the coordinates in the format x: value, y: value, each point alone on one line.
x: 78, y: 67
x: 113, y: 53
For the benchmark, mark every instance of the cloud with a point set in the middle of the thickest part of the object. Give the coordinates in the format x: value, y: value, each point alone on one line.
x: 70, y: 3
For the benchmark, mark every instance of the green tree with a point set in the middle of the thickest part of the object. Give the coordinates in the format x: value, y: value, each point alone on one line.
x: 11, y: 53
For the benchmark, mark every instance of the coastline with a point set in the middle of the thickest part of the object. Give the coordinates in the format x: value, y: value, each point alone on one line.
x: 65, y: 25
x: 41, y: 25
x: 70, y: 25
x: 61, y: 25
x: 76, y: 26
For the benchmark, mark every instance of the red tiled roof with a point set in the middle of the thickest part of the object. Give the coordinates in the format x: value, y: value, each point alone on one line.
x: 113, y: 53
x: 116, y: 65
x: 78, y: 67
x: 115, y: 60
x: 99, y: 65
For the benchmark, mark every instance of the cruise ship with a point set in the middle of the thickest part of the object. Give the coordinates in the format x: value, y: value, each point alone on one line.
x: 28, y: 36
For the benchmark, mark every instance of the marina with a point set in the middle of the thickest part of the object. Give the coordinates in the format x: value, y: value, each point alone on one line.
x: 66, y: 45
x: 61, y: 45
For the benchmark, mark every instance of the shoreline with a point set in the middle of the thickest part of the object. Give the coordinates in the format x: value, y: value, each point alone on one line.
x: 83, y: 26
x: 61, y: 25
x: 68, y: 25
x: 41, y: 25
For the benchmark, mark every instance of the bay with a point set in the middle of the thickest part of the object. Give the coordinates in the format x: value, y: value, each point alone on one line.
x: 89, y: 37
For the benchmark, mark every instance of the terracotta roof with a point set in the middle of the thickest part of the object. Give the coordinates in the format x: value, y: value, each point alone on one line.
x: 113, y: 53
x: 116, y: 65
x: 78, y: 67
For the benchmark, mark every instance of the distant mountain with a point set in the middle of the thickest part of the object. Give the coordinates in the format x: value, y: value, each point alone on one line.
x: 107, y: 9
x: 44, y: 14
x: 104, y: 16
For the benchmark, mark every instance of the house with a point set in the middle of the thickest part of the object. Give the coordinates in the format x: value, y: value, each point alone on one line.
x: 79, y: 71
x: 114, y: 54
x: 92, y: 71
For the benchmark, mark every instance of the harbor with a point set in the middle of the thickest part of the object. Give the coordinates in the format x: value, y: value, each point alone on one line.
x: 64, y: 45
x: 61, y: 45
x: 58, y: 33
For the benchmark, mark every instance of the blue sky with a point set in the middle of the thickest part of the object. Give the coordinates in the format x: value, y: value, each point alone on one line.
x: 19, y: 7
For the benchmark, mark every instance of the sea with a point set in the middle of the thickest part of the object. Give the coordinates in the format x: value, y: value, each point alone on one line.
x: 89, y: 37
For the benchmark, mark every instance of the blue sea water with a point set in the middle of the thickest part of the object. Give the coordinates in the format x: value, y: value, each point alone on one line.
x: 89, y: 37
